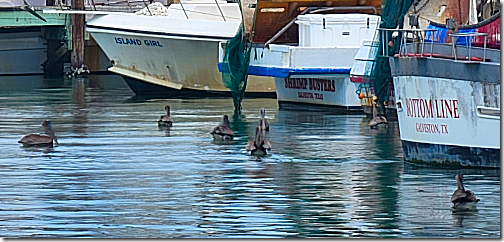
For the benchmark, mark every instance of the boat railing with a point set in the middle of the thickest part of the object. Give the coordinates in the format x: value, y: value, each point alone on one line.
x: 468, y: 37
x: 415, y: 38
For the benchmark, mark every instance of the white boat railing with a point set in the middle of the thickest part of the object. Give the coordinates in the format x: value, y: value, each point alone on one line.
x: 417, y: 35
x: 468, y: 37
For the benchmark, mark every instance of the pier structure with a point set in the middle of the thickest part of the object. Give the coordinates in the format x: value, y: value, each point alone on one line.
x: 35, y: 42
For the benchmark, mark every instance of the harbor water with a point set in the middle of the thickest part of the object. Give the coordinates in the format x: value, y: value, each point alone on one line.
x: 115, y: 174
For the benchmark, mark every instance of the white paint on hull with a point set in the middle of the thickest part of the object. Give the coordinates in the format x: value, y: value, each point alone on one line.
x: 445, y: 111
x: 171, y: 50
x: 330, y: 90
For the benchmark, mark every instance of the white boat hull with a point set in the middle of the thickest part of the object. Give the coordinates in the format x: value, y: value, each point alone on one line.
x: 449, y: 121
x: 331, y: 91
x: 167, y: 52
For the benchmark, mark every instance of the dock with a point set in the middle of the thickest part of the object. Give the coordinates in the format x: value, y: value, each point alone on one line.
x: 35, y: 46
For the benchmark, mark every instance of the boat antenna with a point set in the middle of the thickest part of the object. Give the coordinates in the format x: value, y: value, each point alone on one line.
x: 147, y: 6
x: 183, y: 9
x: 220, y: 10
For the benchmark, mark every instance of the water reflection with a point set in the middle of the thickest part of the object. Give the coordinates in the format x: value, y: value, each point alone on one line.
x: 166, y: 130
x: 80, y: 112
x: 117, y: 175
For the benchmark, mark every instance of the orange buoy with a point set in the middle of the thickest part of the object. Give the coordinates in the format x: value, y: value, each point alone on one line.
x: 361, y: 95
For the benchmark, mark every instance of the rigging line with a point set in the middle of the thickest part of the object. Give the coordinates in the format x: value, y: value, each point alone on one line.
x: 211, y: 14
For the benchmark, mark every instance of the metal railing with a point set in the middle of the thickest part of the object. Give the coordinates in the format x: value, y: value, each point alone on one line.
x: 417, y: 34
x: 417, y: 37
x: 468, y: 37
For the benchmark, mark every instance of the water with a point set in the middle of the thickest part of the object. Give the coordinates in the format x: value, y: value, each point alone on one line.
x: 116, y: 175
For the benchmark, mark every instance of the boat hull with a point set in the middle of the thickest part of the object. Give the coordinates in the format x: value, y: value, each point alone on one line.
x: 166, y: 59
x: 448, y: 111
x: 142, y: 88
x: 321, y: 92
x: 22, y: 52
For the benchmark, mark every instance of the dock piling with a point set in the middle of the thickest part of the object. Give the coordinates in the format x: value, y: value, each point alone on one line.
x: 77, y: 56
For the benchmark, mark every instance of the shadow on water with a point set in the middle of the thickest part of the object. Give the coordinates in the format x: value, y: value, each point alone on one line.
x: 166, y: 130
x: 45, y: 150
x: 238, y: 124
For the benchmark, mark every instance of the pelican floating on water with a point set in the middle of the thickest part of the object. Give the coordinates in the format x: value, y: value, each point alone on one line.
x: 223, y: 131
x: 165, y: 120
x: 40, y: 140
x: 377, y: 119
x: 462, y: 196
x: 260, y: 144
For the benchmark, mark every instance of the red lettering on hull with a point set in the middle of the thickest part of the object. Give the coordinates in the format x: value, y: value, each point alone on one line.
x: 428, y: 108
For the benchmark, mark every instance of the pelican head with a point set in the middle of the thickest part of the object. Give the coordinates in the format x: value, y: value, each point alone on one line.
x: 225, y: 121
x: 49, y: 131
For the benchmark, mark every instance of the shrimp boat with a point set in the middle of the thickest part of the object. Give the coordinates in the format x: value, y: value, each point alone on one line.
x: 308, y: 47
x: 174, y: 53
x: 447, y: 92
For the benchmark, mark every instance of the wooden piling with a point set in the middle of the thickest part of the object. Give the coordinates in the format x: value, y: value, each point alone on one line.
x: 77, y: 57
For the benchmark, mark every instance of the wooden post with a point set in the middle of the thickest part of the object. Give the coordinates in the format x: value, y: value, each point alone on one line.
x: 77, y: 57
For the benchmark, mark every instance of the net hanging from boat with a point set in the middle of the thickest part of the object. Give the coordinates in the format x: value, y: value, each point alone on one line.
x: 237, y: 60
x: 392, y: 16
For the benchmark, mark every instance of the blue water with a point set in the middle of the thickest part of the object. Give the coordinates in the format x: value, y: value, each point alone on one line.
x: 115, y: 174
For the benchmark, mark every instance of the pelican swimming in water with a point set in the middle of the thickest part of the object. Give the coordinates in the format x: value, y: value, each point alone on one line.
x: 462, y: 196
x: 377, y: 119
x: 223, y: 131
x: 40, y: 140
x: 165, y: 120
x: 260, y: 144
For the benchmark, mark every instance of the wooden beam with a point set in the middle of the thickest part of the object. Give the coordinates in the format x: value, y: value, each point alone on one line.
x: 78, y: 21
x: 18, y: 18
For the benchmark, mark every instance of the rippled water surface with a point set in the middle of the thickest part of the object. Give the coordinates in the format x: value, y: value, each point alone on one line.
x: 116, y: 175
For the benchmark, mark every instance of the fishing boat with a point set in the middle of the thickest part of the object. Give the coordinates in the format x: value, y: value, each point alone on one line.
x: 309, y: 48
x: 174, y: 53
x: 447, y: 91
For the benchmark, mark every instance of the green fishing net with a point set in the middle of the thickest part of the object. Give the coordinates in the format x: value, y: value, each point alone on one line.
x: 236, y: 60
x: 392, y: 16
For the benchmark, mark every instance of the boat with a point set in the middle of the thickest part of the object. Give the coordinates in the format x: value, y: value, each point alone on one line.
x: 447, y: 91
x: 27, y: 37
x: 309, y: 48
x: 174, y: 53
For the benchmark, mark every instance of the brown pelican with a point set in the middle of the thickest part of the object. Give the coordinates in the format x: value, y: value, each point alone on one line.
x: 223, y: 131
x: 260, y: 144
x: 40, y: 140
x: 377, y: 119
x: 462, y: 196
x: 263, y: 119
x: 165, y: 120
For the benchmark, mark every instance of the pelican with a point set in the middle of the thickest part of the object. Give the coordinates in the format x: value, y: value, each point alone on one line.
x: 377, y: 119
x: 165, y: 120
x: 462, y: 196
x: 223, y: 131
x: 263, y: 119
x: 40, y: 140
x: 260, y: 144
